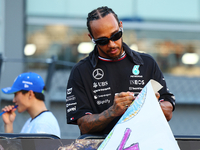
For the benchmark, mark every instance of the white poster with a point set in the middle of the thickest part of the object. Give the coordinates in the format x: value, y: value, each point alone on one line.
x: 143, y: 126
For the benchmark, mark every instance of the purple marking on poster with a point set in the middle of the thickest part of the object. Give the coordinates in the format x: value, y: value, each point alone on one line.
x: 123, y: 142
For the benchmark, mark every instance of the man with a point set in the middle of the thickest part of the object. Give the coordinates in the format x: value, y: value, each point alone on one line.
x: 28, y: 90
x: 112, y: 67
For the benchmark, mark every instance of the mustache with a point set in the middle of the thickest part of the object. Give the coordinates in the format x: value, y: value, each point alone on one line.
x: 113, y: 48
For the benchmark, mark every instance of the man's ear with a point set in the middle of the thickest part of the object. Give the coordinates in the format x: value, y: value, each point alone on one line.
x: 31, y: 94
x: 90, y: 36
x: 120, y: 24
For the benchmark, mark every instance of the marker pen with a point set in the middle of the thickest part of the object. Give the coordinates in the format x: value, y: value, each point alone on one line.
x: 7, y: 111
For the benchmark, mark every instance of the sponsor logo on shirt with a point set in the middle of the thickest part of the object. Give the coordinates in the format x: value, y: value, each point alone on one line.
x: 135, y: 88
x: 69, y: 91
x: 135, y: 69
x: 95, y: 85
x: 137, y: 82
x: 99, y: 96
x: 70, y: 98
x: 100, y: 84
x: 134, y: 76
x: 98, y: 73
x: 100, y: 90
x: 71, y: 104
x: 103, y: 102
x: 71, y: 109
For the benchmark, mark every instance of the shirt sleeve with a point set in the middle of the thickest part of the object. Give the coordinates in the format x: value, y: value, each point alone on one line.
x: 77, y: 102
x: 165, y: 94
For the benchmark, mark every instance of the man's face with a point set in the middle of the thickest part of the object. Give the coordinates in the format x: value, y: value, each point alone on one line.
x: 21, y: 100
x: 105, y: 28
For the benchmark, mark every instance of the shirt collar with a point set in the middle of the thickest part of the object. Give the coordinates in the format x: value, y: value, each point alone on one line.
x: 123, y: 55
x: 133, y: 55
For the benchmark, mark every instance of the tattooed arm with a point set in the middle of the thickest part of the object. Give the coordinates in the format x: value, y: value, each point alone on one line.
x: 98, y: 122
x: 95, y: 122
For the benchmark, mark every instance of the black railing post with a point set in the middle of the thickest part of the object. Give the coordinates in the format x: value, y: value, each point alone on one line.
x: 50, y: 72
x: 1, y: 63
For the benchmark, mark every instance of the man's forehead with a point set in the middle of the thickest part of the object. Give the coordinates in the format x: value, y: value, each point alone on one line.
x: 104, y: 20
x: 107, y: 23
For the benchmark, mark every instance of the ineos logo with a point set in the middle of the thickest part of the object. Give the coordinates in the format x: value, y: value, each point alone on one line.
x: 98, y: 73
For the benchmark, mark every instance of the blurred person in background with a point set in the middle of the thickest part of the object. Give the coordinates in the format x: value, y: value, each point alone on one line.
x: 28, y: 96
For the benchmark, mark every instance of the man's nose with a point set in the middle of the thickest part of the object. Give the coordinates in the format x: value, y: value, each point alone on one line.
x: 111, y: 43
x: 14, y: 100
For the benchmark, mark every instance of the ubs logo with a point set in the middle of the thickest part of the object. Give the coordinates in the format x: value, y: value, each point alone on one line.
x: 100, y: 84
x: 95, y: 85
x: 98, y: 73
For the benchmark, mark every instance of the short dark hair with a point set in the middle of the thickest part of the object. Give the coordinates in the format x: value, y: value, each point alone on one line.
x: 98, y: 13
x: 39, y: 96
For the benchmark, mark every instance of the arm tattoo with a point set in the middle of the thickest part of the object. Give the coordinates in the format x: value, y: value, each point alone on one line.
x: 95, y: 122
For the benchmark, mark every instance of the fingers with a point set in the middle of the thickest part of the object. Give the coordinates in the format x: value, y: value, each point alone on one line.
x: 123, y: 94
x: 8, y: 108
x: 126, y: 104
x: 124, y: 99
x: 121, y: 102
x: 157, y: 95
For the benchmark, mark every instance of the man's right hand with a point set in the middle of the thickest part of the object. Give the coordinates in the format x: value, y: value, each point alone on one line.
x: 121, y: 102
x: 10, y: 115
x: 97, y: 122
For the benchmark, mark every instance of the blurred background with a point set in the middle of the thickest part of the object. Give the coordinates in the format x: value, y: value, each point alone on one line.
x: 49, y: 36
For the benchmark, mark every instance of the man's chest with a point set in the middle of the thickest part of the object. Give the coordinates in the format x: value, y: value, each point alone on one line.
x: 109, y: 78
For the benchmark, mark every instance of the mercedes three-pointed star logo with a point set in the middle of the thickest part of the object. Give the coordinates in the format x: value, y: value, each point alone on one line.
x: 98, y: 73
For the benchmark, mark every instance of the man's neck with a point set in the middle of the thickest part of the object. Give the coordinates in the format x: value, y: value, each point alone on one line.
x: 123, y: 55
x: 37, y: 107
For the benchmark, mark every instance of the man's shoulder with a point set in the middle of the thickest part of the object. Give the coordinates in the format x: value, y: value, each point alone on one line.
x: 81, y: 66
x: 47, y: 113
x: 145, y: 56
x: 82, y: 63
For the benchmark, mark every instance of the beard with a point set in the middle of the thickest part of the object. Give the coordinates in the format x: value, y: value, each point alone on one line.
x: 112, y: 57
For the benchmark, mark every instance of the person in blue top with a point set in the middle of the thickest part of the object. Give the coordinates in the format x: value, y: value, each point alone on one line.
x: 28, y: 96
x: 101, y: 86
